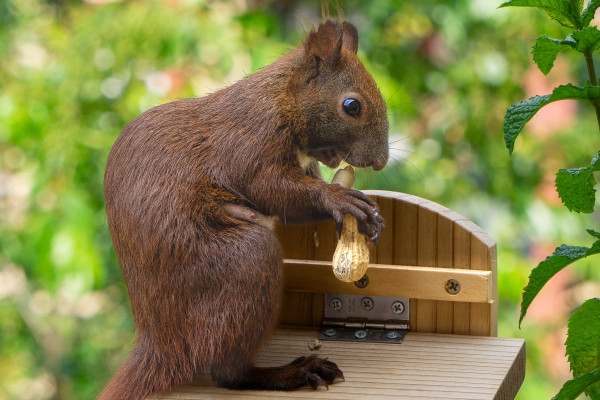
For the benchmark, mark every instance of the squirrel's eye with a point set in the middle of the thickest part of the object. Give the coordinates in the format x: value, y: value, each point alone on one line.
x: 352, y: 107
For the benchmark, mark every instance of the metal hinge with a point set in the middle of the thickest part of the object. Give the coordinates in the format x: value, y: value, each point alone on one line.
x: 365, y: 318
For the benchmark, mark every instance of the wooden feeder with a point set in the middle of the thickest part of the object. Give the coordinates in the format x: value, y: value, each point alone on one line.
x: 422, y: 324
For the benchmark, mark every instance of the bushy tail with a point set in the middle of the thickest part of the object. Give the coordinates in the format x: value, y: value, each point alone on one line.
x: 143, y: 374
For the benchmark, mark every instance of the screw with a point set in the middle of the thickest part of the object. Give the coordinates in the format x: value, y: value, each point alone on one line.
x: 452, y: 286
x: 335, y: 304
x: 367, y: 303
x: 362, y: 282
x: 360, y: 334
x: 398, y: 307
x: 329, y: 332
x: 392, y: 335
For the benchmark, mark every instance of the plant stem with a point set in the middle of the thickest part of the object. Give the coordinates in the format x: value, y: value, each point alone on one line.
x: 589, y: 61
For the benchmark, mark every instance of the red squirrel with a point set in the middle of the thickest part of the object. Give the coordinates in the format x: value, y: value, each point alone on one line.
x: 184, y: 183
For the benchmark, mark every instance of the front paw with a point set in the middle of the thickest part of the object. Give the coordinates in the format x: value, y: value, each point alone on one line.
x: 340, y: 201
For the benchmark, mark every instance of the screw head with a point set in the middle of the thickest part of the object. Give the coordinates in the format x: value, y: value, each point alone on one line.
x: 367, y: 303
x: 329, y: 332
x: 335, y: 304
x: 392, y: 335
x: 452, y: 286
x: 398, y: 307
x: 360, y: 334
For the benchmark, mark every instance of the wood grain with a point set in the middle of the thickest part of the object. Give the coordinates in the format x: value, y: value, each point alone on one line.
x: 424, y: 366
x: 426, y: 254
x: 405, y: 243
x: 419, y: 233
x: 444, y: 259
x: 390, y: 280
x: 462, y: 256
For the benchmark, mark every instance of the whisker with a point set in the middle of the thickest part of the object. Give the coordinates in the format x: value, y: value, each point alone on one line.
x: 402, y: 138
x: 412, y: 152
x: 347, y: 155
x: 417, y: 170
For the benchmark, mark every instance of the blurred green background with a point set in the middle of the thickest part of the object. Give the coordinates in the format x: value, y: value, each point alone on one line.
x: 73, y: 73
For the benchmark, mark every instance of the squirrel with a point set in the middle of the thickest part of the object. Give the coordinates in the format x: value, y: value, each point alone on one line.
x: 191, y: 190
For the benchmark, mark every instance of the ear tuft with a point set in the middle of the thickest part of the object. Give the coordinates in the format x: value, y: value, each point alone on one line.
x: 350, y: 36
x: 326, y: 41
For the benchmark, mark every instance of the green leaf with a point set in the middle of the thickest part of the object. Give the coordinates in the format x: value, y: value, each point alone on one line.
x: 517, y: 115
x: 588, y: 13
x: 593, y: 233
x: 583, y: 342
x: 586, y: 40
x: 566, y: 12
x: 545, y: 51
x: 573, y: 388
x: 595, y: 164
x: 575, y: 188
x: 563, y: 255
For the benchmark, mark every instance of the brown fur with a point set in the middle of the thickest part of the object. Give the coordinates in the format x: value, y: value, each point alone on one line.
x: 181, y: 185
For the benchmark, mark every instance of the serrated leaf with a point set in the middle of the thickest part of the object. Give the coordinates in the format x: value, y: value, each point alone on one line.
x: 588, y: 14
x: 575, y: 187
x: 595, y: 164
x: 573, y: 388
x: 586, y: 40
x: 566, y: 12
x: 563, y: 255
x: 517, y: 115
x: 583, y: 340
x: 545, y: 51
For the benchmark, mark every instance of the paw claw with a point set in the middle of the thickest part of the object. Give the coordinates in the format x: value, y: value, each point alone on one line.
x: 316, y: 372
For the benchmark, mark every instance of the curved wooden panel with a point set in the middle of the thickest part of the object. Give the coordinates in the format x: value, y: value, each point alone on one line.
x: 418, y: 233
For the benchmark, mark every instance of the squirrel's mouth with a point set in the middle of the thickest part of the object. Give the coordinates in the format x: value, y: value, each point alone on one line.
x: 329, y: 157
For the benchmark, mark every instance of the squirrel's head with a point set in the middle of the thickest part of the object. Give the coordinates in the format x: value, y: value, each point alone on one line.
x: 338, y: 101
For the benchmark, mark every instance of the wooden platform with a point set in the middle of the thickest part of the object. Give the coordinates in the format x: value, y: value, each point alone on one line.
x: 424, y: 366
x: 451, y: 351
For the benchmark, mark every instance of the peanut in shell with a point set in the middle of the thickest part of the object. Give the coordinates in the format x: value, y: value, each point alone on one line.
x: 351, y: 256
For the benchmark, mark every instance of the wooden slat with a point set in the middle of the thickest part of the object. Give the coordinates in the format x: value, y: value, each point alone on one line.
x: 426, y: 253
x: 301, y: 309
x: 405, y: 244
x: 326, y: 236
x: 390, y: 281
x: 383, y: 253
x: 424, y: 366
x: 462, y: 256
x: 296, y: 240
x: 444, y: 259
x: 481, y: 315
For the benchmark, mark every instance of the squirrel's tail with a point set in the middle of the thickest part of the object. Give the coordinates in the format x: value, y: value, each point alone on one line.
x: 142, y: 374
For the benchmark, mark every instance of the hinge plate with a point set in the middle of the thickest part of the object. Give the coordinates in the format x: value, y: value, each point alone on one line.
x: 365, y: 318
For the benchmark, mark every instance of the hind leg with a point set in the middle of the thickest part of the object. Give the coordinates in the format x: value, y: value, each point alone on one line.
x: 244, y: 315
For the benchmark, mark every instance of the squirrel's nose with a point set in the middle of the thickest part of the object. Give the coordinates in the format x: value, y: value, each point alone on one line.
x: 380, y: 162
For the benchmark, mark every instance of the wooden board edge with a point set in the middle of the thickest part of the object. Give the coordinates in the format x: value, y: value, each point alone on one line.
x: 514, y: 378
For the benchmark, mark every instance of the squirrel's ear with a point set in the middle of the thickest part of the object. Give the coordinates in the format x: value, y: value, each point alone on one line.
x: 350, y: 34
x: 326, y: 42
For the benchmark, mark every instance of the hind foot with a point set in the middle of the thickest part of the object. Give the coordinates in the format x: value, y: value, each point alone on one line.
x: 312, y: 371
